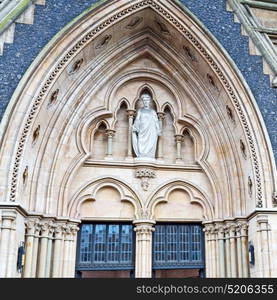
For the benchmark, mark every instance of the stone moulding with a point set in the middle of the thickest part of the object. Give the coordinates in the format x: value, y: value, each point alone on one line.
x: 69, y: 56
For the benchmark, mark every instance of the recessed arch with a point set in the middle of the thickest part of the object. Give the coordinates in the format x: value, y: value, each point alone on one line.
x: 125, y: 192
x: 31, y: 97
x: 161, y: 195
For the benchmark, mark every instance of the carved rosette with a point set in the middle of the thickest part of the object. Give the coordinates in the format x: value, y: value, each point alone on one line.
x: 145, y: 175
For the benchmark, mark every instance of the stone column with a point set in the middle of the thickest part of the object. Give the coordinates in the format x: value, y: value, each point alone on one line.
x: 13, y: 248
x: 227, y: 251
x: 178, y: 139
x: 73, y: 249
x: 49, y: 250
x: 66, y: 251
x: 57, y: 254
x: 35, y: 249
x: 161, y: 116
x: 263, y: 230
x: 144, y: 229
x: 207, y: 231
x: 110, y: 133
x: 214, y: 252
x: 221, y: 252
x: 8, y: 217
x: 244, y: 250
x: 29, y: 246
x: 233, y: 254
x: 43, y: 250
x: 131, y: 114
x: 239, y: 251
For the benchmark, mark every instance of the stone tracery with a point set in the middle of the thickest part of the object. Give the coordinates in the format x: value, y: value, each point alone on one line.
x: 87, y: 133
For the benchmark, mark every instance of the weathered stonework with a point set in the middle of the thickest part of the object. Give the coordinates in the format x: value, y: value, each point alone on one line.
x: 213, y: 163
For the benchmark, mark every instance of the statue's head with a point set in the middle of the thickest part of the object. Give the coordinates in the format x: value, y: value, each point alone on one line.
x: 146, y: 99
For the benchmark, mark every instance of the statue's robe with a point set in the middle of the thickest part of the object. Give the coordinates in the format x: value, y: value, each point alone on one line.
x: 146, y: 129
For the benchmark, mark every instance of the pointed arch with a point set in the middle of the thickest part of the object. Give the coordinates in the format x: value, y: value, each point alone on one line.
x: 84, y: 42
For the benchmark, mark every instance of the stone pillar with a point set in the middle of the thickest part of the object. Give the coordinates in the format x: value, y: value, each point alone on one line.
x: 66, y: 251
x: 35, y: 250
x: 131, y: 114
x: 8, y: 218
x: 13, y: 251
x: 239, y: 251
x: 207, y: 231
x: 161, y: 116
x: 29, y: 246
x: 144, y: 229
x: 221, y: 254
x: 213, y: 252
x: 263, y: 230
x: 227, y: 251
x: 179, y: 139
x: 57, y: 253
x: 233, y: 254
x: 49, y: 250
x: 110, y: 133
x: 43, y: 250
x: 73, y: 249
x: 244, y: 250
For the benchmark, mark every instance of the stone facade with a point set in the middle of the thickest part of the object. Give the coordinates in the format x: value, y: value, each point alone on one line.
x: 66, y: 155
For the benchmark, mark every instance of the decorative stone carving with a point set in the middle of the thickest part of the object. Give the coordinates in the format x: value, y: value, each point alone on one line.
x: 146, y: 130
x: 189, y: 53
x: 31, y: 226
x: 230, y: 114
x: 250, y: 186
x: 243, y: 148
x: 212, y: 82
x: 76, y: 66
x: 145, y: 175
x: 25, y: 175
x: 53, y: 98
x: 134, y: 23
x: 162, y: 27
x: 274, y: 199
x: 86, y: 39
x: 145, y: 213
x: 36, y: 134
x: 104, y: 41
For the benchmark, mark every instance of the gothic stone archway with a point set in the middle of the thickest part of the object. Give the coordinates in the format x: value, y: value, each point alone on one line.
x: 71, y: 105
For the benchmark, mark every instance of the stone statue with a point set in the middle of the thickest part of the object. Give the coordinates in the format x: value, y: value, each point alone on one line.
x: 146, y: 130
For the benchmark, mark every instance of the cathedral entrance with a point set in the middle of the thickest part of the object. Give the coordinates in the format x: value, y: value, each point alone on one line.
x: 134, y: 129
x: 106, y: 250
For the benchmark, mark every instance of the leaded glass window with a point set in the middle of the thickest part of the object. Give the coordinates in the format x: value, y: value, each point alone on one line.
x: 178, y: 246
x: 105, y: 247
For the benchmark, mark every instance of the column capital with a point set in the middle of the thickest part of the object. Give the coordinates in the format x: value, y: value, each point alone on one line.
x: 8, y: 219
x: 179, y: 137
x: 8, y: 215
x: 31, y: 225
x: 208, y: 228
x: 45, y: 227
x: 144, y: 226
x: 262, y: 219
x: 110, y: 132
x: 131, y: 112
x: 161, y: 115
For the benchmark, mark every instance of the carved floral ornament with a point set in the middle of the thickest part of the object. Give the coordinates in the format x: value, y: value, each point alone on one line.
x: 145, y: 175
x: 69, y: 56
